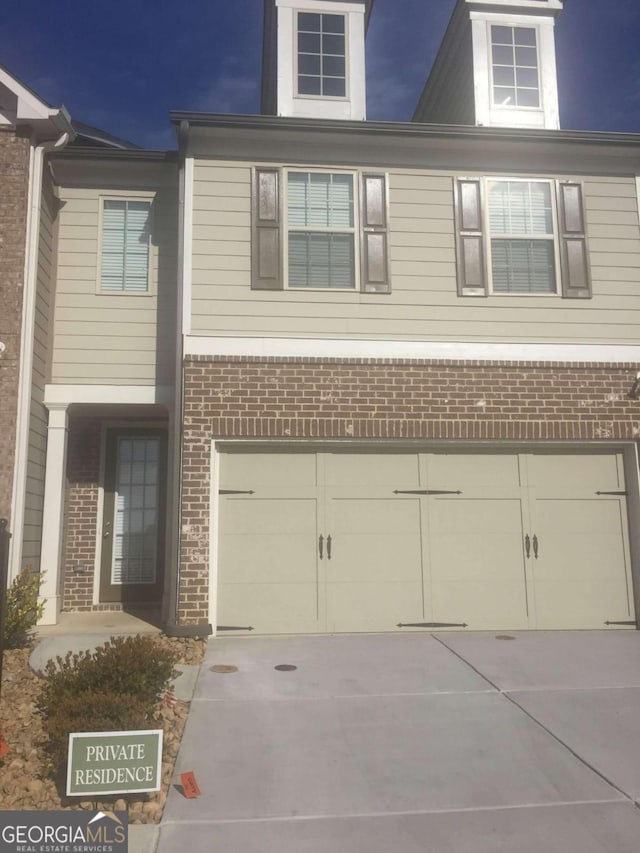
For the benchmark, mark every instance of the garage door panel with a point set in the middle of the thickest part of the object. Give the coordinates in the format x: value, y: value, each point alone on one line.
x: 565, y: 604
x: 274, y: 517
x: 395, y: 470
x: 582, y: 575
x: 269, y: 608
x: 476, y: 561
x: 373, y: 606
x: 556, y: 473
x: 470, y: 602
x: 256, y: 470
x: 469, y: 470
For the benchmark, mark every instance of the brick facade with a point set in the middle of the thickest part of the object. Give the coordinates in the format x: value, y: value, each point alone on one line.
x: 81, y: 508
x: 237, y: 397
x: 14, y: 169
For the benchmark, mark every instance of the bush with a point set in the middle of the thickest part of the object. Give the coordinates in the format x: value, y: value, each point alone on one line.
x: 22, y: 608
x: 114, y: 688
x: 90, y: 712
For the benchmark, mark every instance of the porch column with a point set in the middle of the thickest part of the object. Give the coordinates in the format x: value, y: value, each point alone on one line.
x: 53, y: 516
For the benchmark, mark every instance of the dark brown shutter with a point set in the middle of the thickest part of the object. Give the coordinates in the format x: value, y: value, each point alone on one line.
x: 266, y: 245
x: 472, y: 274
x: 574, y: 258
x: 375, y: 277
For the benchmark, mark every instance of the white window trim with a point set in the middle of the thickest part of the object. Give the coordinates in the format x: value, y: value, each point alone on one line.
x: 301, y: 96
x: 355, y: 230
x: 151, y: 278
x: 494, y: 104
x: 488, y: 235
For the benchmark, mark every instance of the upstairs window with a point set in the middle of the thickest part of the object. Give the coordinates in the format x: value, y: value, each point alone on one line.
x: 124, y: 258
x: 514, y: 63
x: 321, y: 230
x: 321, y: 54
x: 522, y: 237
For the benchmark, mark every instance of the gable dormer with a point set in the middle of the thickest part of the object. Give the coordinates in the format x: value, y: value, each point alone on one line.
x: 496, y: 66
x: 313, y: 63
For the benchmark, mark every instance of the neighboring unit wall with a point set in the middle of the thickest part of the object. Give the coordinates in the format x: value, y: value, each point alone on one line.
x: 423, y: 303
x: 112, y: 338
x: 14, y: 168
x: 41, y: 374
x: 288, y: 399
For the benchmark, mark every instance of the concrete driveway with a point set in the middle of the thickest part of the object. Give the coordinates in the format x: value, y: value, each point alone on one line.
x: 448, y: 742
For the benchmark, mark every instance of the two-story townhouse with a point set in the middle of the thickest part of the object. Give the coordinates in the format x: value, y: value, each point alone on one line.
x: 385, y: 373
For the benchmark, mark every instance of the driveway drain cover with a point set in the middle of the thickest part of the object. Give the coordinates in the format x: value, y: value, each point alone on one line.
x: 505, y: 637
x: 223, y: 667
x: 285, y: 667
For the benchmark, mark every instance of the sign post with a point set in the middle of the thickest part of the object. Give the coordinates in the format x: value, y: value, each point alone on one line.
x: 105, y: 763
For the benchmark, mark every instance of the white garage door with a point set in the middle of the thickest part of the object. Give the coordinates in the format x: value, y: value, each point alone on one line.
x: 346, y: 541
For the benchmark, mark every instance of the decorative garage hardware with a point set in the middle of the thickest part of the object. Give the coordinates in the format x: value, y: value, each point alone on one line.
x: 621, y: 494
x: 432, y: 625
x: 233, y: 628
x: 235, y: 492
x: 321, y: 546
x: 285, y: 667
x: 527, y: 546
x: 621, y: 623
x: 425, y: 492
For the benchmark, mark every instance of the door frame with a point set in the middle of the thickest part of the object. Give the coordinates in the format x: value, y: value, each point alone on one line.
x: 628, y: 449
x: 139, y: 593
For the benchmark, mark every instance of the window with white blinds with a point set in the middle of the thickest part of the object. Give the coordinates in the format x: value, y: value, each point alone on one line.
x: 321, y: 230
x: 522, y: 237
x: 124, y: 259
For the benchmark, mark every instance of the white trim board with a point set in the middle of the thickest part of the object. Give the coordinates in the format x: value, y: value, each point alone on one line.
x: 66, y: 395
x: 453, y: 350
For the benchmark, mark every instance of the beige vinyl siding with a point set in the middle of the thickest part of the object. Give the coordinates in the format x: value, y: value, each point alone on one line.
x: 423, y: 304
x: 34, y: 495
x: 115, y: 338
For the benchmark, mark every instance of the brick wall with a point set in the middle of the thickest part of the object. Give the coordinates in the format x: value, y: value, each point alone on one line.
x: 81, y: 508
x: 14, y: 174
x: 362, y: 399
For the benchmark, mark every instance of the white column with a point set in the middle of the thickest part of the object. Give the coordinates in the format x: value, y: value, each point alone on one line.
x: 53, y: 517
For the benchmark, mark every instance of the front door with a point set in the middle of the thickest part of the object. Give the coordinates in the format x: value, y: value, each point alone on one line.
x: 132, y: 555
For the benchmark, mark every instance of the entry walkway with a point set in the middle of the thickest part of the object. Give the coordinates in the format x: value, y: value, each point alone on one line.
x: 467, y: 743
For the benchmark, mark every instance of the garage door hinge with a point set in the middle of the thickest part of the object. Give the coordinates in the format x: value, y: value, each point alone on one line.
x: 432, y: 625
x: 425, y: 492
x: 612, y: 493
x: 235, y: 492
x: 620, y: 623
x: 233, y: 628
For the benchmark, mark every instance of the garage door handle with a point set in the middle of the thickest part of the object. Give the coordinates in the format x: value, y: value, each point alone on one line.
x: 328, y: 547
x: 535, y: 546
x: 320, y: 545
x: 527, y: 545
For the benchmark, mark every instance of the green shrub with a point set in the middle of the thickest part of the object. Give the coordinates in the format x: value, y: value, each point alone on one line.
x: 137, y: 666
x: 22, y: 608
x: 89, y: 711
x: 114, y: 688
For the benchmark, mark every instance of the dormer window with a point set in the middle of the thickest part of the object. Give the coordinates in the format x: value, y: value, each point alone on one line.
x: 514, y: 64
x: 321, y: 55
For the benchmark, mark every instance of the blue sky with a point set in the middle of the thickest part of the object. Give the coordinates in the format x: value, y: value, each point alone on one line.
x: 123, y: 65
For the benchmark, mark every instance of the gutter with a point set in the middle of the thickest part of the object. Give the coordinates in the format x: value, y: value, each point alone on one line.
x: 403, y: 129
x: 34, y: 200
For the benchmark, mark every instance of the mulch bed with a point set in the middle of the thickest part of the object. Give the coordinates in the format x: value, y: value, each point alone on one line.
x: 24, y: 783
